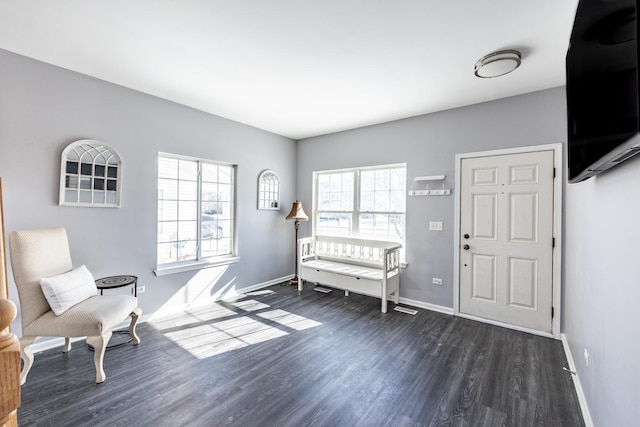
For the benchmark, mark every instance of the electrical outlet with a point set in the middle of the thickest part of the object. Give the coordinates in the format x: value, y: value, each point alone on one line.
x: 140, y: 289
x: 586, y: 357
x: 436, y: 281
x: 435, y: 225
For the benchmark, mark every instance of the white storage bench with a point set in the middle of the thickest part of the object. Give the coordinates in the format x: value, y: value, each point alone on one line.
x: 368, y: 267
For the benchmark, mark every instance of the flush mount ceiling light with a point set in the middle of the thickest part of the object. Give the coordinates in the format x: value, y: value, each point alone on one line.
x: 497, y: 64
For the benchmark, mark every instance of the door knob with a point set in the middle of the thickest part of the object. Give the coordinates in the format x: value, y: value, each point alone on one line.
x: 465, y: 247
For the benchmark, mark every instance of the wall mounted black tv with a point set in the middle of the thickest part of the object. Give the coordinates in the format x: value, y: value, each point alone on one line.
x: 602, y: 87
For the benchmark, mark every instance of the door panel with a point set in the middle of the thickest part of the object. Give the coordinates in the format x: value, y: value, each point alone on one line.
x: 523, y: 218
x: 485, y: 225
x: 524, y: 174
x: 506, y: 208
x: 487, y: 176
x: 523, y: 283
x: 484, y: 277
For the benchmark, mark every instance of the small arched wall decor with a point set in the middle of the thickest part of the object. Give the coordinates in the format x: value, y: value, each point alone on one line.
x: 90, y: 175
x: 268, y: 190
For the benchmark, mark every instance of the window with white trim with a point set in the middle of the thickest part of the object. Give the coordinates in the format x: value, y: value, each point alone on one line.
x: 195, y: 211
x: 362, y: 202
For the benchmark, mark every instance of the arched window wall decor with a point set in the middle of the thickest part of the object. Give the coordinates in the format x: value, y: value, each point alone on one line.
x: 268, y: 191
x: 90, y: 175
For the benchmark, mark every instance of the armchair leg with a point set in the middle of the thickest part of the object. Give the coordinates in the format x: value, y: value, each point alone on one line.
x: 67, y: 345
x: 99, y: 343
x: 27, y: 357
x: 135, y: 314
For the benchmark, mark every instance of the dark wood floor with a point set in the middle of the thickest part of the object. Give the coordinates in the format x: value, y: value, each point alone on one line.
x: 279, y: 358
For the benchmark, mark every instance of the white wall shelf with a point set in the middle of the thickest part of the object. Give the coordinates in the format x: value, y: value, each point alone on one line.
x: 429, y: 178
x: 428, y: 192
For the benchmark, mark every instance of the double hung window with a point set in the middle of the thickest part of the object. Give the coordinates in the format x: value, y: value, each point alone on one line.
x: 195, y: 211
x: 363, y: 202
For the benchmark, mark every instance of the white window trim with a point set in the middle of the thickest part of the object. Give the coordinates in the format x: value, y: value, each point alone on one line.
x: 355, y: 213
x: 201, y: 263
x: 195, y: 265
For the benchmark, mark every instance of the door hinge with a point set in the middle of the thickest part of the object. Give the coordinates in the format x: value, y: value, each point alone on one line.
x: 554, y: 172
x: 552, y: 312
x: 553, y: 242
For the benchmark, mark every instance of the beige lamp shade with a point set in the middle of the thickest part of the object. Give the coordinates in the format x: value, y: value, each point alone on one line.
x: 297, y: 212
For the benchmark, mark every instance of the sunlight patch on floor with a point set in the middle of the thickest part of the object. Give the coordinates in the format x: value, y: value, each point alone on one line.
x: 211, y: 339
x: 194, y: 316
x: 218, y: 313
x: 216, y: 328
x: 250, y: 305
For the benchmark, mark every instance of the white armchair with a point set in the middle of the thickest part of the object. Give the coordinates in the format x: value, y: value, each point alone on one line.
x: 44, y: 254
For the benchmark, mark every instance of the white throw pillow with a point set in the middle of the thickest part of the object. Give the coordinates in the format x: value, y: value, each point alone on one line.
x: 68, y: 289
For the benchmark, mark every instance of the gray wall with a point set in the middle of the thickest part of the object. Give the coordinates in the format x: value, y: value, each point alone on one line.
x: 43, y: 108
x: 602, y: 291
x: 428, y: 145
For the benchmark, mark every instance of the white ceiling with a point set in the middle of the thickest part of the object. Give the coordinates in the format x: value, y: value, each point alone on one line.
x: 298, y: 68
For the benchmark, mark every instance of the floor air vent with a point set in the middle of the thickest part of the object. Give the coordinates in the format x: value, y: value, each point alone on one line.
x: 406, y: 310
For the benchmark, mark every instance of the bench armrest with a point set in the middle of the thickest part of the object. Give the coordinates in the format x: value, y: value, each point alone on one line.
x: 306, y: 248
x: 392, y: 258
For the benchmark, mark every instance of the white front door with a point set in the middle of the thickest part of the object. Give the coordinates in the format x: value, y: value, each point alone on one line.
x: 506, y: 239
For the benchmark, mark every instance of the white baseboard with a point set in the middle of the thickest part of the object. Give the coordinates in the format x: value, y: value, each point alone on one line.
x: 427, y: 306
x: 582, y: 399
x: 49, y: 342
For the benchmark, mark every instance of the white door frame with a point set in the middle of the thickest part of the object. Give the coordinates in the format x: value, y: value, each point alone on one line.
x: 557, y: 234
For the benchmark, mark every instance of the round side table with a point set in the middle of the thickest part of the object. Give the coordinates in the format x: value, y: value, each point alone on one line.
x: 113, y: 282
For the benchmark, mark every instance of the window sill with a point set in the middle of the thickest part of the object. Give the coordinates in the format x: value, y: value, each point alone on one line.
x: 180, y: 268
